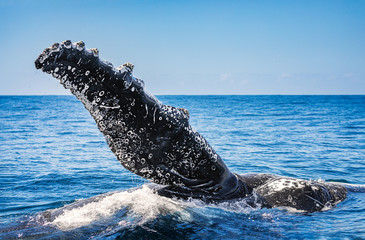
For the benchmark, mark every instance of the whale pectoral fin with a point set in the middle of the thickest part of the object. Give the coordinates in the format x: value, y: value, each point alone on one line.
x: 75, y: 67
x: 212, y: 188
x: 180, y: 113
x: 206, y: 194
x: 150, y: 139
x: 186, y: 112
x: 308, y: 196
x: 129, y: 65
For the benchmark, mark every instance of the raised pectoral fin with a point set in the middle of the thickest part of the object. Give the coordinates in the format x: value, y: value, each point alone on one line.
x: 143, y: 133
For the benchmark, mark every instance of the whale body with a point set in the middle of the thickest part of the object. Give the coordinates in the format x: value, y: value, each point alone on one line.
x: 156, y: 141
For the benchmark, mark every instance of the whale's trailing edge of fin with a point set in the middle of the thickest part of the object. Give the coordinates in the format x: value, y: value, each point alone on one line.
x: 150, y: 139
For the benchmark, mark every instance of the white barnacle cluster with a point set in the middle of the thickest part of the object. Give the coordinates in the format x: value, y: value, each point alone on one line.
x: 60, y: 73
x: 128, y: 78
x: 193, y: 154
x: 125, y: 140
x: 202, y: 144
x: 173, y: 118
x: 95, y: 52
x: 282, y: 184
x: 80, y: 45
x: 55, y: 48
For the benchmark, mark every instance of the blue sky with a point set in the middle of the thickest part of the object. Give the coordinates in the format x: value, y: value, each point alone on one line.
x: 195, y: 47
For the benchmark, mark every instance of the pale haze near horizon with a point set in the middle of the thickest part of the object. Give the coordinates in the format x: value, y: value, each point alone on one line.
x: 194, y: 47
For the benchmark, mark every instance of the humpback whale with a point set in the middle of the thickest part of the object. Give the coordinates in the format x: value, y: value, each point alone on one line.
x: 156, y: 141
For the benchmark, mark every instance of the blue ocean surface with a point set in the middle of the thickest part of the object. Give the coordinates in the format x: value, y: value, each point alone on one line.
x: 55, y: 164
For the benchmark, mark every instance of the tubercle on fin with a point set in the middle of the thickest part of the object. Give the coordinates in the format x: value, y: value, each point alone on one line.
x: 76, y: 53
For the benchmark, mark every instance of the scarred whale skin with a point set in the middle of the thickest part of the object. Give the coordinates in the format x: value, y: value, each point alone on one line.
x: 156, y: 141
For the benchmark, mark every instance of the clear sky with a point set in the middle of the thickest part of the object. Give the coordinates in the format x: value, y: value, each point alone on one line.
x: 194, y: 47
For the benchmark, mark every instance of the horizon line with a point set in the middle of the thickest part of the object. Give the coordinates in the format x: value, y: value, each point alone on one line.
x: 343, y: 94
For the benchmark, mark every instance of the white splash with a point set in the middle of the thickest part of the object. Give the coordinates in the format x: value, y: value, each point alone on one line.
x: 143, y: 202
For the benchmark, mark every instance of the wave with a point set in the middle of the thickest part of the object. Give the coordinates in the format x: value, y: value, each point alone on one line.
x: 140, y: 204
x: 137, y: 205
x: 139, y: 209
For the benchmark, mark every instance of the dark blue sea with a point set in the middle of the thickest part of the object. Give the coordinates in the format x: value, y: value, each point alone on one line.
x: 55, y: 164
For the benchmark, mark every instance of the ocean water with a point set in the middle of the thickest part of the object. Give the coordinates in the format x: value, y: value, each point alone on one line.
x: 59, y: 180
